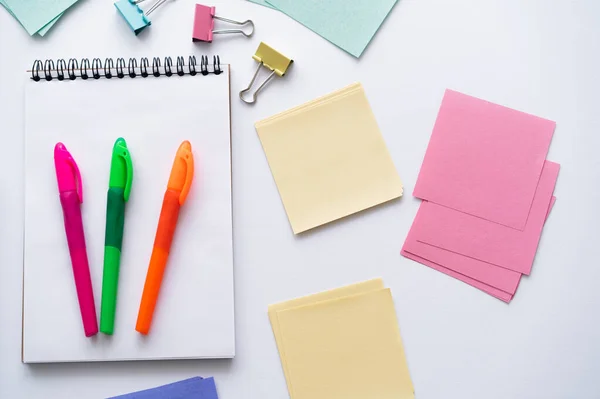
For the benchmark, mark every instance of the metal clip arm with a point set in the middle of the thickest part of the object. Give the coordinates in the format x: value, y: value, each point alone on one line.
x: 262, y: 85
x: 231, y: 21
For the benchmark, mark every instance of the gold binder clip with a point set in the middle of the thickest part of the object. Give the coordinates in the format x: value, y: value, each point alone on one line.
x: 271, y: 59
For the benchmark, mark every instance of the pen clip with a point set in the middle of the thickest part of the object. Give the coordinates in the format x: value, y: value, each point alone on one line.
x: 75, y: 168
x: 188, y: 158
x: 67, y: 171
x: 123, y: 152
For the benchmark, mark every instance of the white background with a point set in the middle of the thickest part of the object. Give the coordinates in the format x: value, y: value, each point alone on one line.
x: 538, y: 56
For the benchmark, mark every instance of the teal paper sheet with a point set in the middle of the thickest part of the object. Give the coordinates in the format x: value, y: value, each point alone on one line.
x: 261, y: 2
x: 349, y: 24
x: 34, y: 15
x: 42, y: 31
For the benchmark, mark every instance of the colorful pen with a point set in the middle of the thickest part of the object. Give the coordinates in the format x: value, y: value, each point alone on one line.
x: 119, y: 187
x: 180, y: 181
x: 71, y: 196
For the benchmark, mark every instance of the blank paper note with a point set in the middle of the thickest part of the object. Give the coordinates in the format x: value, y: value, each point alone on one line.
x: 42, y: 31
x: 497, y: 277
x: 349, y: 24
x: 347, y: 348
x: 34, y: 15
x: 192, y: 388
x: 494, y: 280
x: 484, y: 159
x: 366, y: 286
x: 487, y: 241
x: 495, y: 292
x: 262, y: 3
x: 552, y: 202
x: 329, y: 159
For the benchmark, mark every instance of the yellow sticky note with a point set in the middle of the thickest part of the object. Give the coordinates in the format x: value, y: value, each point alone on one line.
x: 346, y: 348
x: 329, y: 159
x: 341, y: 292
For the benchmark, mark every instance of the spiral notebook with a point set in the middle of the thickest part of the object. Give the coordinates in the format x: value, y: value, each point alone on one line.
x: 154, y: 104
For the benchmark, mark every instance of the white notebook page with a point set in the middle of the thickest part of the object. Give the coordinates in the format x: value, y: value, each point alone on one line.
x: 194, y: 316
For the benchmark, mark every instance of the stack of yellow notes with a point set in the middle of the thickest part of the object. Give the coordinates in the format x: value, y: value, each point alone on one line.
x: 328, y: 158
x: 342, y: 344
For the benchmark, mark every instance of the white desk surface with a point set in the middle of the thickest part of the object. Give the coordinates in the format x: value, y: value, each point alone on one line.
x: 538, y: 56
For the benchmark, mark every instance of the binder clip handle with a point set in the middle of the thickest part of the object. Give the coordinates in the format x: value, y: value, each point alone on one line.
x: 154, y: 6
x: 263, y: 84
x: 246, y: 23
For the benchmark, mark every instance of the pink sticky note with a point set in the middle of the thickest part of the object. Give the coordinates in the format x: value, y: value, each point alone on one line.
x: 486, y: 273
x: 487, y: 241
x: 552, y: 201
x: 484, y: 159
x: 497, y: 277
x: 477, y: 284
x: 434, y: 257
x: 204, y: 24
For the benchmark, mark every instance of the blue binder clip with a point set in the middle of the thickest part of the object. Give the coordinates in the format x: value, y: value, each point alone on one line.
x: 136, y: 18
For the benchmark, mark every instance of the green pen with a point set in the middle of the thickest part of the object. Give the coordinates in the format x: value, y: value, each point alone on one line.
x: 119, y: 187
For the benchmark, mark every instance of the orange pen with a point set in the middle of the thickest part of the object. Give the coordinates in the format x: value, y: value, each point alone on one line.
x: 180, y: 181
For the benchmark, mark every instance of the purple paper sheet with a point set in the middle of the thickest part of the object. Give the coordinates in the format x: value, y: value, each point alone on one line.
x: 192, y: 388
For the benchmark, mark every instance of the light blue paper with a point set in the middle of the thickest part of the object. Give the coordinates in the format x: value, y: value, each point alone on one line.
x: 34, y: 15
x: 349, y: 24
x: 3, y: 4
x: 192, y: 388
x: 263, y: 3
x: 42, y: 31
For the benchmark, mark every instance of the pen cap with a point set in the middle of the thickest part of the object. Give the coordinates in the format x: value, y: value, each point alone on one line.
x: 121, y: 168
x: 67, y: 171
x: 182, y: 172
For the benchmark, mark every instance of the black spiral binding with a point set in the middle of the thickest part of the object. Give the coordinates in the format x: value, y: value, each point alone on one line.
x: 96, y: 69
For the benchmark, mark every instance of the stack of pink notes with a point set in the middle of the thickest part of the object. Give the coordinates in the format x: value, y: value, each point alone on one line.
x: 487, y: 190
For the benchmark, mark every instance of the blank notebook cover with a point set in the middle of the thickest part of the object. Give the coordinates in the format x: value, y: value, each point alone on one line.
x: 194, y: 316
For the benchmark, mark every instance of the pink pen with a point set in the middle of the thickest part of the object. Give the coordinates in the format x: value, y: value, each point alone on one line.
x: 71, y: 196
